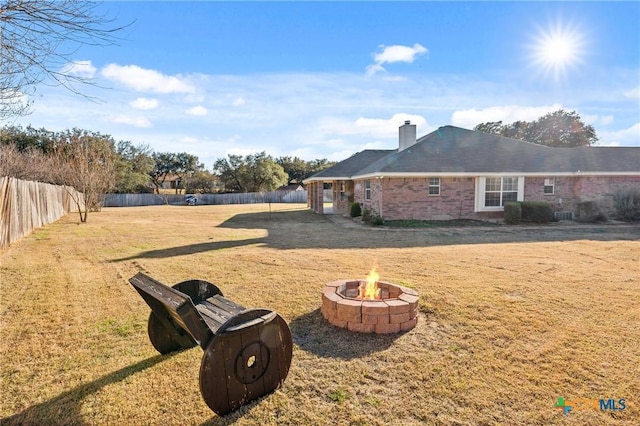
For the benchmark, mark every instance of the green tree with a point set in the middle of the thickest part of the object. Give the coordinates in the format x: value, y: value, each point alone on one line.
x: 29, y: 138
x: 134, y: 165
x: 186, y: 165
x: 318, y: 165
x: 164, y: 164
x: 298, y: 169
x: 232, y: 172
x: 202, y: 182
x: 556, y: 129
x: 253, y: 173
x: 563, y: 129
x: 180, y: 165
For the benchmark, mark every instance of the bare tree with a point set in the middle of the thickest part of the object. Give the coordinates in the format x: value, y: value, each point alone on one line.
x: 37, y: 41
x: 86, y: 162
x: 29, y: 164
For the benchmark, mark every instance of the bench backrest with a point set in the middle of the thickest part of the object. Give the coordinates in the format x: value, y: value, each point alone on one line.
x: 173, y: 308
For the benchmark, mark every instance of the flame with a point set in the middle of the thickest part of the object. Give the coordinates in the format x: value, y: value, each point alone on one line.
x: 370, y: 290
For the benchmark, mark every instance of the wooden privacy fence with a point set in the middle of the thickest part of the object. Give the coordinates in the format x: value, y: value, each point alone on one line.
x: 130, y: 200
x: 29, y: 205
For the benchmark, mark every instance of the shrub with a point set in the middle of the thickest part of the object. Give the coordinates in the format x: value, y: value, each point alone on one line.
x: 355, y: 210
x: 512, y: 213
x: 376, y: 220
x: 366, y: 215
x: 589, y: 211
x: 536, y: 211
x: 627, y: 203
x: 371, y: 218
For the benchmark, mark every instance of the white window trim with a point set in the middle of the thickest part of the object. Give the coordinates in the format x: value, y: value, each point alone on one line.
x: 481, y: 182
x: 429, y: 186
x: 367, y: 191
x: 552, y: 184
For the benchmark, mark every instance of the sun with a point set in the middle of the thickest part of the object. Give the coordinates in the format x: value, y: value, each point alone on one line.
x: 558, y: 49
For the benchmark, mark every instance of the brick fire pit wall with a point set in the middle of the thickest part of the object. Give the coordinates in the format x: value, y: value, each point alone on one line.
x: 395, y: 311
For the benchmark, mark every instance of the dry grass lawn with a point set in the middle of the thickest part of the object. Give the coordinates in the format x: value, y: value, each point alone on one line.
x: 510, y: 319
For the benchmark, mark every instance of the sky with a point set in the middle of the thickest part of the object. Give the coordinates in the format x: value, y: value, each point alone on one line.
x: 329, y: 79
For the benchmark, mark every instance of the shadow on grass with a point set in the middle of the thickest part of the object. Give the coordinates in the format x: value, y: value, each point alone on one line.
x: 301, y: 229
x: 192, y: 249
x: 313, y: 334
x: 66, y: 407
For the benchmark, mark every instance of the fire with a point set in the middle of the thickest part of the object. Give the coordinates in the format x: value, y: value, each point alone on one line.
x: 370, y: 290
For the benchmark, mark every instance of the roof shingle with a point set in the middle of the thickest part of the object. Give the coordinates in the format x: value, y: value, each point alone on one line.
x: 452, y: 149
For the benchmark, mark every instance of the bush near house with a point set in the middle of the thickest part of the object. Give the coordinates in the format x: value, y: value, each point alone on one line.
x: 371, y: 218
x: 627, y: 203
x: 355, y: 210
x: 536, y: 211
x: 589, y: 211
x: 512, y: 213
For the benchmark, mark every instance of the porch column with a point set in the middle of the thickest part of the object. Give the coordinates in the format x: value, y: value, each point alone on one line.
x: 321, y: 197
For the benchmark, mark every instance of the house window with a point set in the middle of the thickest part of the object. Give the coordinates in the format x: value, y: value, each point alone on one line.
x: 367, y: 189
x: 343, y: 189
x: 493, y: 192
x: 549, y: 185
x: 434, y: 186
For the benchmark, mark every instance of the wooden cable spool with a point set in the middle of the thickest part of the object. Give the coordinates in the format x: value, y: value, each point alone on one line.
x: 247, y: 352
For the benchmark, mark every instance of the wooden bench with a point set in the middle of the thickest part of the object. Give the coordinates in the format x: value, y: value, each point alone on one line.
x: 247, y: 352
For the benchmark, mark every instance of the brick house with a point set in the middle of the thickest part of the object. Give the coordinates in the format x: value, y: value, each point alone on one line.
x: 455, y: 173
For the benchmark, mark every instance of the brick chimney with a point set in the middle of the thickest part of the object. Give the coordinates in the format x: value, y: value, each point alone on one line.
x: 407, y: 135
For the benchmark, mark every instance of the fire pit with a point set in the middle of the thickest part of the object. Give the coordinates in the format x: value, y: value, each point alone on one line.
x: 370, y: 306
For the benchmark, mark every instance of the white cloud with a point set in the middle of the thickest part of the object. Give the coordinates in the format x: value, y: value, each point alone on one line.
x: 374, y: 68
x: 386, y: 128
x: 507, y: 114
x: 380, y: 128
x: 82, y: 69
x: 142, y: 122
x: 144, y: 103
x: 633, y: 93
x: 189, y: 140
x: 238, y: 102
x: 625, y: 137
x: 396, y: 53
x: 145, y: 80
x: 606, y: 119
x: 595, y: 119
x: 198, y: 111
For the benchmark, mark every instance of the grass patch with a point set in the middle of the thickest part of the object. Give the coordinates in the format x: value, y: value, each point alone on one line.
x: 510, y: 319
x: 339, y: 395
x: 121, y: 328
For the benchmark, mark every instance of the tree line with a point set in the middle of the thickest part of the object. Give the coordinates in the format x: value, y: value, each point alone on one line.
x: 96, y: 164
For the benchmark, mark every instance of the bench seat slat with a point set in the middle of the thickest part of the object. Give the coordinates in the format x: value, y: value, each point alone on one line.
x: 216, y: 309
x: 219, y: 302
x: 213, y: 320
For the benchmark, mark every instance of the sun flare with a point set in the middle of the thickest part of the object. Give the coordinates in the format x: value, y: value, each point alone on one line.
x: 558, y: 49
